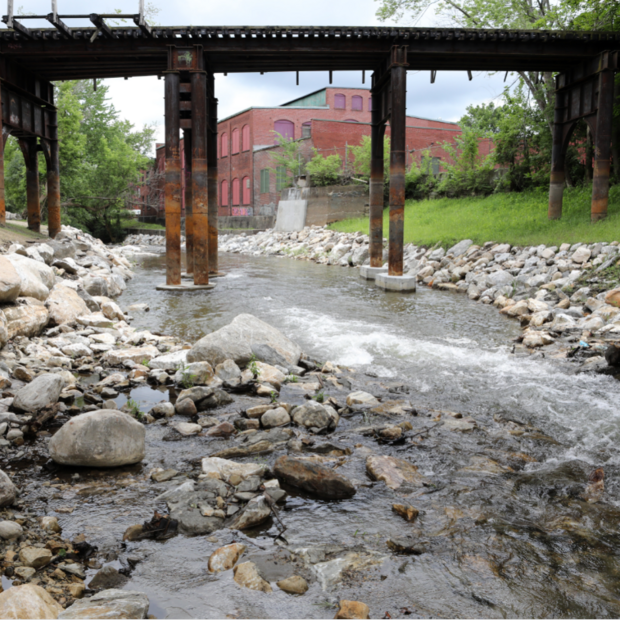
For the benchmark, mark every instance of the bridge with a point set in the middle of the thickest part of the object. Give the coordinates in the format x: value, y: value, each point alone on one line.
x: 187, y: 58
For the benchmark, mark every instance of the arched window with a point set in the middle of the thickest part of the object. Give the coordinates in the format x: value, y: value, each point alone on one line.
x: 357, y: 103
x: 285, y: 128
x: 235, y: 142
x: 245, y: 138
x: 351, y: 120
x: 224, y: 193
x: 340, y: 102
x: 235, y: 192
x: 246, y: 190
x: 370, y: 105
x: 224, y: 145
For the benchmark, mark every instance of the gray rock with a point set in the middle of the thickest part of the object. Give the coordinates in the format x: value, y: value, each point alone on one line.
x: 186, y: 407
x: 91, y: 304
x: 315, y: 415
x: 460, y: 248
x: 41, y: 392
x: 162, y: 410
x: 109, y: 604
x: 68, y: 264
x: 97, y: 287
x: 63, y: 248
x: 228, y: 371
x: 106, y: 578
x: 9, y: 530
x: 275, y: 417
x: 269, y: 355
x: 102, y: 438
x: 256, y: 512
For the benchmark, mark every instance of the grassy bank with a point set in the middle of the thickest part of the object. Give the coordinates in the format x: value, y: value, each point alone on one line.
x: 518, y: 219
x: 141, y: 225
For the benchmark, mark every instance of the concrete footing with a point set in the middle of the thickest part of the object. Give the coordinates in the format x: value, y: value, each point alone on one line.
x: 184, y: 287
x: 370, y: 273
x: 403, y: 284
x: 190, y: 276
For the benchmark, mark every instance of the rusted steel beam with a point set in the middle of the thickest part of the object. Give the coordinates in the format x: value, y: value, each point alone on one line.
x: 200, y: 177
x: 189, y: 214
x: 556, y: 186
x: 2, y: 202
x: 376, y: 185
x: 602, y: 146
x: 172, y: 189
x: 29, y: 149
x: 53, y: 178
x: 397, y: 169
x: 212, y: 174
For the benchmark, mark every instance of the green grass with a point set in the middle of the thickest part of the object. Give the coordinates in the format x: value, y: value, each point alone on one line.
x: 518, y: 219
x: 141, y: 225
x: 23, y: 230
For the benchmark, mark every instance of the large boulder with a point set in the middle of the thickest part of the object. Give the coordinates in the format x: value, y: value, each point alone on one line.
x: 27, y: 318
x: 40, y: 392
x: 96, y: 286
x: 65, y: 305
x: 10, y: 282
x: 103, y: 438
x: 139, y: 355
x: 235, y: 341
x: 8, y: 491
x: 315, y: 415
x: 313, y: 477
x: 36, y: 278
x: 28, y: 601
x: 109, y: 604
x: 63, y: 248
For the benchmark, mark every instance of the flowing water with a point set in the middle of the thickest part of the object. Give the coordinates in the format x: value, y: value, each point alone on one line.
x: 503, y: 528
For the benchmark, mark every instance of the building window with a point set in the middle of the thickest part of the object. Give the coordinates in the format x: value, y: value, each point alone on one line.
x: 340, y: 102
x: 224, y: 193
x: 357, y: 103
x: 245, y: 138
x: 264, y: 181
x: 235, y: 142
x: 370, y: 105
x: 432, y: 163
x: 306, y: 130
x: 246, y: 190
x: 224, y: 145
x: 285, y: 128
x: 281, y: 178
x: 235, y: 192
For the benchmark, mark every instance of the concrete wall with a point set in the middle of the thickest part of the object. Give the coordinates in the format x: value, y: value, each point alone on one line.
x: 255, y: 222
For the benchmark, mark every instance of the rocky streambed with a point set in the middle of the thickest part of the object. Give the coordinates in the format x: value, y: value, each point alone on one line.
x: 237, y: 474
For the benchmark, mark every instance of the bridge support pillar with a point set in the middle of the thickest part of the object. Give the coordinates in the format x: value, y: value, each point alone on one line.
x: 53, y: 178
x: 212, y: 174
x: 30, y: 148
x: 602, y: 146
x: 556, y: 187
x: 2, y: 141
x: 189, y: 215
x: 200, y: 188
x: 376, y: 186
x: 398, y: 123
x: 172, y: 189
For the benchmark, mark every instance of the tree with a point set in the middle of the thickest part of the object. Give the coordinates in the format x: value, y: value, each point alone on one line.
x: 362, y: 156
x: 324, y: 170
x: 286, y: 161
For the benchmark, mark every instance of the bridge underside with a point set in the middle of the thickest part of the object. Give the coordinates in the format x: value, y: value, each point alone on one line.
x: 188, y: 58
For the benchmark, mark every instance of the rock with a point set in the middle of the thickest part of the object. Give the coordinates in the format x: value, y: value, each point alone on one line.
x: 10, y: 282
x: 40, y: 392
x: 225, y: 558
x: 186, y: 407
x: 103, y: 438
x: 36, y: 278
x: 62, y: 248
x: 612, y: 355
x: 394, y: 472
x: 269, y: 355
x: 516, y: 310
x: 27, y: 319
x: 313, y: 477
x: 28, y: 601
x: 499, y: 278
x: 256, y: 512
x: 68, y: 264
x: 315, y: 415
x: 170, y: 361
x: 247, y: 575
x: 613, y: 297
x: 293, y: 585
x: 363, y: 399
x: 187, y: 428
x: 258, y: 411
x: 35, y: 557
x: 581, y: 255
x: 235, y: 342
x: 109, y: 604
x: 106, y: 578
x: 76, y: 590
x: 9, y: 530
x: 205, y: 397
x: 223, y: 429
x: 406, y: 544
x: 96, y: 286
x: 270, y: 374
x: 462, y: 424
x: 198, y: 373
x: 96, y: 319
x: 352, y: 609
x: 228, y: 371
x: 407, y: 512
x: 50, y: 524
x: 164, y: 409
x: 224, y: 469
x: 163, y: 475
x: 275, y: 417
x: 8, y: 491
x: 460, y: 248
x: 533, y: 339
x: 116, y: 357
x: 25, y: 572
x: 111, y: 310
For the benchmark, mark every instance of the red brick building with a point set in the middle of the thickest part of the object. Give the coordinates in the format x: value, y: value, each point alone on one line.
x: 328, y: 120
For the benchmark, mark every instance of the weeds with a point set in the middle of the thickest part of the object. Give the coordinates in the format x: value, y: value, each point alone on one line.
x: 188, y: 380
x: 146, y: 362
x: 134, y: 409
x: 292, y: 379
x: 274, y: 397
x: 320, y: 397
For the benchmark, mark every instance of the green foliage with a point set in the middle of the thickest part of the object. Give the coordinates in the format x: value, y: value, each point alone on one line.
x: 515, y: 218
x: 419, y: 179
x: 134, y: 409
x: 274, y: 397
x: 319, y: 397
x: 14, y: 177
x: 362, y: 156
x: 324, y: 170
x: 188, y: 379
x: 253, y: 366
x: 287, y: 159
x: 292, y: 379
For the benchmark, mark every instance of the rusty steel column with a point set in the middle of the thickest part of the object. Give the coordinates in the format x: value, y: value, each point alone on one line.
x: 212, y: 174
x: 29, y: 148
x: 2, y: 201
x: 556, y: 186
x: 398, y: 124
x: 200, y: 176
x: 189, y: 215
x: 376, y: 185
x: 53, y: 177
x: 172, y: 189
x: 602, y: 146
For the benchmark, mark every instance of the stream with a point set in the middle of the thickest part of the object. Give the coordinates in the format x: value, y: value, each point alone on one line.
x: 503, y: 528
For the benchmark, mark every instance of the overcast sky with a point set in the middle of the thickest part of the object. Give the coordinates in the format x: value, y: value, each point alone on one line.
x: 140, y: 100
